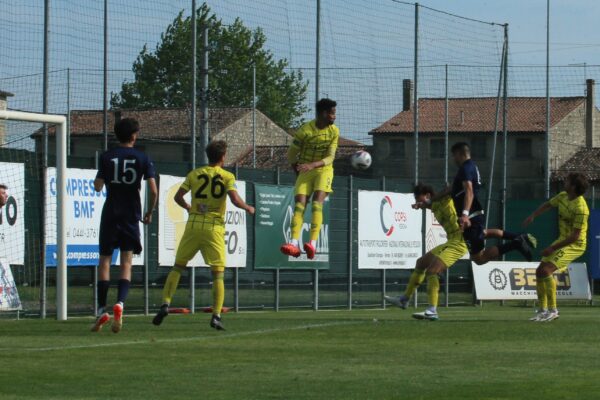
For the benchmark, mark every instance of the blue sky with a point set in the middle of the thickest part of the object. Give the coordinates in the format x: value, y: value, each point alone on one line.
x: 367, y: 48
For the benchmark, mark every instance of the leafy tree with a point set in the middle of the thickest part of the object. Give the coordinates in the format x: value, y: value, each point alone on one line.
x: 162, y: 78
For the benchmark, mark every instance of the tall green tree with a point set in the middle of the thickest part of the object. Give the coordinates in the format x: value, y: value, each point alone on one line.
x: 163, y: 78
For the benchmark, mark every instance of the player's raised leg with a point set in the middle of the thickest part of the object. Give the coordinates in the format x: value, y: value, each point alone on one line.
x: 292, y: 248
x: 102, y: 292
x: 416, y: 279
x: 319, y: 197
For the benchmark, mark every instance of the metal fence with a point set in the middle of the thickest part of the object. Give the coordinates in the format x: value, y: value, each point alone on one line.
x: 81, y: 55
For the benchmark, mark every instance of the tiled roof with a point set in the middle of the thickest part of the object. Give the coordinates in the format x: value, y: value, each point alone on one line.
x: 271, y: 157
x: 160, y: 123
x: 586, y: 161
x: 477, y: 115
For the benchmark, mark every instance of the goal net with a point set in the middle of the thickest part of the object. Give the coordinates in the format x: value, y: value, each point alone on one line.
x: 22, y: 245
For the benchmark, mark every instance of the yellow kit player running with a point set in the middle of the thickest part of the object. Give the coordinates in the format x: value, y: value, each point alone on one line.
x: 205, y: 228
x: 311, y: 155
x: 439, y: 258
x: 573, y: 216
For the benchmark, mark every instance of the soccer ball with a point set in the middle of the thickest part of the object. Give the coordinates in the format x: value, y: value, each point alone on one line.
x: 360, y: 160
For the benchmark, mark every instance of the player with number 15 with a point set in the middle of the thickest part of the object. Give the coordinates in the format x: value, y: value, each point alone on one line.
x: 121, y: 170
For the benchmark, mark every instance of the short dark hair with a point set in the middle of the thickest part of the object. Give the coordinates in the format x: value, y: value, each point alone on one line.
x: 325, y: 105
x: 421, y: 189
x: 579, y: 182
x: 3, y: 186
x: 125, y: 128
x: 461, y: 147
x: 216, y: 150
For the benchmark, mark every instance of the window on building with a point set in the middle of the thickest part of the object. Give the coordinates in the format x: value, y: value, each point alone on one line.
x: 524, y: 148
x: 479, y: 147
x: 437, y: 148
x: 397, y: 148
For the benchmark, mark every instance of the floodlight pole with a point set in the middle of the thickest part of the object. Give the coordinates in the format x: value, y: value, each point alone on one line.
x: 416, y: 93
x: 547, y: 137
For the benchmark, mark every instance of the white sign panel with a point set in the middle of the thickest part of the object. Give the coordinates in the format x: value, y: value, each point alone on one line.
x: 435, y: 233
x: 500, y: 280
x: 389, y: 231
x: 173, y: 219
x: 84, y: 211
x: 12, y: 215
x: 9, y: 297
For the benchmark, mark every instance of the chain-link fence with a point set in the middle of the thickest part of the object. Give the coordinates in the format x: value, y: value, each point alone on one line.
x: 267, y: 63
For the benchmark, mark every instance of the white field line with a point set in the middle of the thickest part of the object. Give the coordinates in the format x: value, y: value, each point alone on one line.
x: 185, y: 339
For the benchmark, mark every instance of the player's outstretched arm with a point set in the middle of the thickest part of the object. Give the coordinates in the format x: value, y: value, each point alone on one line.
x: 180, y: 200
x: 541, y: 209
x: 238, y: 202
x: 153, y: 200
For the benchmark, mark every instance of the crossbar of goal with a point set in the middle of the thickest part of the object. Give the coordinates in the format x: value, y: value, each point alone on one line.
x: 61, y: 194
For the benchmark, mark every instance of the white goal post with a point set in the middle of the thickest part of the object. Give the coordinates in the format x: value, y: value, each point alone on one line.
x: 61, y: 192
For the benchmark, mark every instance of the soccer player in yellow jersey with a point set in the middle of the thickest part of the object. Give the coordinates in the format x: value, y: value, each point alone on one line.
x: 311, y: 155
x: 437, y: 259
x: 205, y: 229
x: 573, y: 216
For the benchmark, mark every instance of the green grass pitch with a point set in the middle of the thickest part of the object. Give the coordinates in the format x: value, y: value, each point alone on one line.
x: 470, y: 353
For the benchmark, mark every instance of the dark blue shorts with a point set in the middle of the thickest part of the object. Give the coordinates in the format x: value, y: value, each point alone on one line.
x: 119, y: 234
x: 475, y: 236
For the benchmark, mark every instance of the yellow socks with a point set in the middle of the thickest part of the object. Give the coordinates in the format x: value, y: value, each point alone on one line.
x: 550, y: 284
x: 218, y: 292
x: 541, y: 293
x: 171, y: 284
x: 416, y: 278
x: 297, y: 221
x: 433, y: 289
x: 317, y: 220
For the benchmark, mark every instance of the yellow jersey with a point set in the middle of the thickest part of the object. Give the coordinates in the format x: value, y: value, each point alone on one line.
x: 572, y: 214
x: 445, y: 213
x: 209, y: 187
x: 312, y: 144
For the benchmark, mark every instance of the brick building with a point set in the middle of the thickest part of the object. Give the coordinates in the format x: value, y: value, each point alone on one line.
x: 575, y: 125
x: 165, y: 132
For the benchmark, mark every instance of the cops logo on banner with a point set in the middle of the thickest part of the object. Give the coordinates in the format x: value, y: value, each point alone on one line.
x: 12, y: 221
x: 389, y: 231
x: 9, y: 296
x: 173, y: 219
x: 500, y: 280
x: 84, y: 210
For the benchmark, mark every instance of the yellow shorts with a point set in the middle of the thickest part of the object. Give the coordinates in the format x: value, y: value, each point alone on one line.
x: 561, y: 258
x: 209, y: 239
x: 317, y: 179
x: 451, y: 251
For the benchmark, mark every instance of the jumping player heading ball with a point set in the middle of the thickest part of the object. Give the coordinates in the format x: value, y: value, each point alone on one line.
x: 311, y: 155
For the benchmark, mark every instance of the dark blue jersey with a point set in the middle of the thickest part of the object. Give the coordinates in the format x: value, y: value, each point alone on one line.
x: 468, y: 171
x: 123, y: 169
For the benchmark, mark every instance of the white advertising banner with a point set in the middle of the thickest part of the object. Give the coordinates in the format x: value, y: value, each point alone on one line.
x: 12, y: 221
x: 389, y: 231
x: 435, y: 233
x: 173, y: 219
x: 9, y: 296
x: 499, y: 280
x: 84, y: 211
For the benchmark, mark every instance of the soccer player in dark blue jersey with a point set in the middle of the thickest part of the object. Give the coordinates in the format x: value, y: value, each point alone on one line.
x: 122, y: 170
x: 464, y: 192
